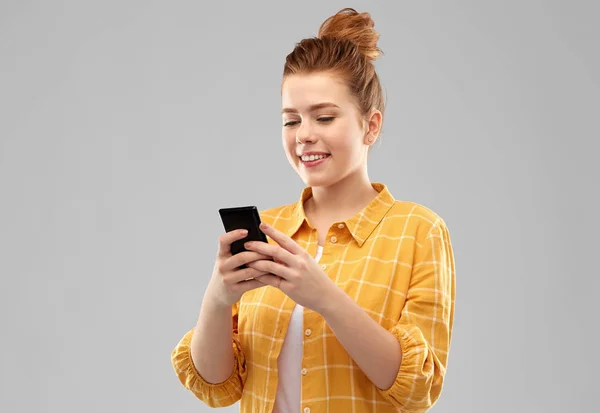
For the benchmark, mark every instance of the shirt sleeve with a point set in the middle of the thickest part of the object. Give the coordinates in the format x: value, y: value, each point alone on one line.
x: 212, y: 394
x: 425, y: 326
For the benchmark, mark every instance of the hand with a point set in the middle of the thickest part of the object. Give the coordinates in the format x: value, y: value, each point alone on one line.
x: 293, y: 271
x: 228, y: 283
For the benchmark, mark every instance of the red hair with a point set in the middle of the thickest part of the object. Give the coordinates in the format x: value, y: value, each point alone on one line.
x: 345, y: 46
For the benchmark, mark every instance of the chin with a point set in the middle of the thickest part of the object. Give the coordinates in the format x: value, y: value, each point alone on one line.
x: 323, y: 178
x: 318, y: 181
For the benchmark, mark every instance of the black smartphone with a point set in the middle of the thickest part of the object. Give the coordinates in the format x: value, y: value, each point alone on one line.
x: 246, y: 217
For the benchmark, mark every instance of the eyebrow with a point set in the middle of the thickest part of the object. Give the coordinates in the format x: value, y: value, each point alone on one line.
x: 312, y: 107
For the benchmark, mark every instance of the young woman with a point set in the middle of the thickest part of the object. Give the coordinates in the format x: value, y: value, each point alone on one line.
x: 349, y: 307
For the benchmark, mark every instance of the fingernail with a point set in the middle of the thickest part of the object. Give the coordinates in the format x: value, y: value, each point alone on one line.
x: 248, y: 244
x: 264, y: 226
x: 243, y: 232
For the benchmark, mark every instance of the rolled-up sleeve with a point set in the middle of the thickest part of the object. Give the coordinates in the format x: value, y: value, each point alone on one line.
x: 425, y: 326
x: 212, y: 394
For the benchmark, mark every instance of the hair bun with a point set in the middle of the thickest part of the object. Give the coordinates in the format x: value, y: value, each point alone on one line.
x: 353, y: 26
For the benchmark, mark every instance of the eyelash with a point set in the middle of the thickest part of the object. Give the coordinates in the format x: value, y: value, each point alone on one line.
x: 325, y: 119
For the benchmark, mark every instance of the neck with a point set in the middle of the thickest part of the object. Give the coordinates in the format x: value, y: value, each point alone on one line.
x: 344, y: 199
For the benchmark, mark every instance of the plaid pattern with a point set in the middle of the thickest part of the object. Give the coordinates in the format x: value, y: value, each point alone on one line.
x: 395, y: 260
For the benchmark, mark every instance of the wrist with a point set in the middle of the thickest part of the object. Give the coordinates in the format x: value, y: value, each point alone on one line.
x: 211, y: 303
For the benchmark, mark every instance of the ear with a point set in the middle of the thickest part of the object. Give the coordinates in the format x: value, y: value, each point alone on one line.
x: 373, y: 127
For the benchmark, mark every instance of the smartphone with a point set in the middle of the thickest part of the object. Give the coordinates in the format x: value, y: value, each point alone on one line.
x: 246, y: 217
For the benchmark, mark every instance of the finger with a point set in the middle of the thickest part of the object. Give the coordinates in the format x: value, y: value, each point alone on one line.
x: 228, y: 238
x: 242, y: 258
x: 273, y: 268
x: 272, y: 250
x: 270, y: 279
x: 250, y: 285
x: 283, y: 240
x: 241, y: 275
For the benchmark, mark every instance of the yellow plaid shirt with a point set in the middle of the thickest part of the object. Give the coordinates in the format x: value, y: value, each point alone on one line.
x: 395, y: 259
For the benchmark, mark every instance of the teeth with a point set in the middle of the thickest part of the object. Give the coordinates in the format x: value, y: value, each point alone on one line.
x: 309, y: 158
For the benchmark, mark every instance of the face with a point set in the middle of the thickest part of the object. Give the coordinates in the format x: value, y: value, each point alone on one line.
x: 324, y: 137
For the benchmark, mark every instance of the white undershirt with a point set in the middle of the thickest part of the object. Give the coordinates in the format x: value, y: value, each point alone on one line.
x: 289, y: 363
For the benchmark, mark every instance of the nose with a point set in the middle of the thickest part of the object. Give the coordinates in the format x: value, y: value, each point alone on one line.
x: 304, y: 134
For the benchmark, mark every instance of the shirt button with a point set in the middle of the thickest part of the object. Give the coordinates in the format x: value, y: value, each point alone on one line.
x: 340, y: 226
x: 304, y: 372
x: 307, y: 410
x: 308, y: 332
x: 333, y: 240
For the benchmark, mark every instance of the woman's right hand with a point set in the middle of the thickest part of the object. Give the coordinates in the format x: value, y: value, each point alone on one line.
x: 228, y: 282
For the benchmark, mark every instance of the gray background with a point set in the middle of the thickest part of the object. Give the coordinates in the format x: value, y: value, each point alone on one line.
x: 124, y: 126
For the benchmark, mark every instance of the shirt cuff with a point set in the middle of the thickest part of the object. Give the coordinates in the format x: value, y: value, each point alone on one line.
x: 221, y: 394
x: 419, y: 380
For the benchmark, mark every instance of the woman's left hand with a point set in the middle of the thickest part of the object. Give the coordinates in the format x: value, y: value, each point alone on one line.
x: 293, y: 271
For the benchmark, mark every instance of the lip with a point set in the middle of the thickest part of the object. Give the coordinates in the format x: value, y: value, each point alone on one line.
x: 312, y: 164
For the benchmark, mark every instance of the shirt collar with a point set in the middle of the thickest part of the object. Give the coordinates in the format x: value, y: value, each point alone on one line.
x: 360, y: 225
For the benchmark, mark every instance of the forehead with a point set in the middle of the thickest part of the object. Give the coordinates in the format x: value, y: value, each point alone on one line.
x: 301, y: 91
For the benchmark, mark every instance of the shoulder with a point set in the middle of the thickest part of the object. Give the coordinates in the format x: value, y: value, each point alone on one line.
x: 418, y: 218
x: 277, y: 215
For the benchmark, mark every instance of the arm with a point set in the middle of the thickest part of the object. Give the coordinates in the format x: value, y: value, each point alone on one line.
x: 209, y: 360
x: 374, y: 349
x: 211, y: 348
x: 407, y: 363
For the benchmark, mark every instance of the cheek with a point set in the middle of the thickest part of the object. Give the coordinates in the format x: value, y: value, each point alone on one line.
x: 343, y: 142
x: 288, y: 141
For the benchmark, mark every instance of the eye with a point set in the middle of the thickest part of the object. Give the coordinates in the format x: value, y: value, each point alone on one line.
x: 326, y: 119
x: 290, y: 123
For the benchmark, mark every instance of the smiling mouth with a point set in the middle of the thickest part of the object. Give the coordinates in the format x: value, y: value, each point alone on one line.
x: 313, y: 158
x: 313, y: 161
